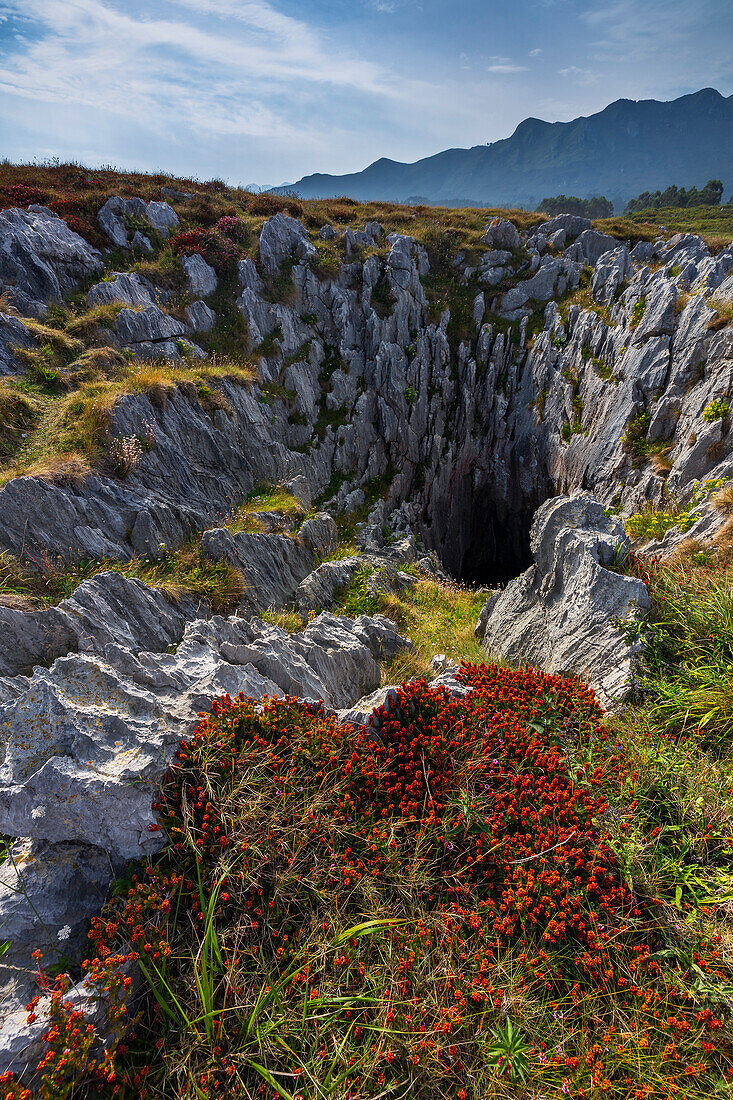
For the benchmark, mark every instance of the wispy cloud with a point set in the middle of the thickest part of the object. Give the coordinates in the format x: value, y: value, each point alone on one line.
x: 686, y: 37
x: 579, y: 76
x: 504, y: 65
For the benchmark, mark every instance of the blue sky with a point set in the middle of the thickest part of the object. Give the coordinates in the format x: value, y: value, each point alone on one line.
x: 269, y: 90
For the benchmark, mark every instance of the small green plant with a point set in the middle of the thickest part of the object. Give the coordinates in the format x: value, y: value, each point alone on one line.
x: 410, y: 395
x: 508, y: 1052
x: 654, y: 522
x: 718, y: 409
x: 638, y: 312
x: 635, y: 438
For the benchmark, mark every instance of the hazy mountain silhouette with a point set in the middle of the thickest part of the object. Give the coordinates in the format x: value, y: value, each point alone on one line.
x: 627, y: 148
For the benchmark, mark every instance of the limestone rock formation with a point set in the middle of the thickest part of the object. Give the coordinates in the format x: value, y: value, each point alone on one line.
x: 41, y: 259
x: 117, y: 214
x: 439, y: 436
x: 566, y: 612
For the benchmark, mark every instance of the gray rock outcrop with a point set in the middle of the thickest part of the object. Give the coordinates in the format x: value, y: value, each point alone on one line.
x: 564, y: 614
x: 201, y: 280
x: 283, y: 238
x: 117, y: 214
x: 13, y: 334
x: 126, y: 287
x: 41, y: 259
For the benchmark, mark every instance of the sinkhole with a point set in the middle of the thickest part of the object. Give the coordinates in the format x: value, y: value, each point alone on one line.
x: 481, y: 535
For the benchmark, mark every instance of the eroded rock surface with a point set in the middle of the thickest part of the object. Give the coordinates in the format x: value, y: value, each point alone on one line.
x: 41, y: 259
x: 565, y: 613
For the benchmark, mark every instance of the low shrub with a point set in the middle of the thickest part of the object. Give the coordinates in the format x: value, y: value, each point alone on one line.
x: 424, y: 907
x: 718, y: 409
x: 218, y: 250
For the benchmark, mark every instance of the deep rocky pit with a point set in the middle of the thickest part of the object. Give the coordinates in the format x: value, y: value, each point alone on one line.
x: 482, y: 538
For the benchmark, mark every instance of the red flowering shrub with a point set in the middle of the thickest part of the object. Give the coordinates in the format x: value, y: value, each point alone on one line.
x: 218, y: 250
x: 21, y: 194
x: 233, y: 228
x: 365, y: 908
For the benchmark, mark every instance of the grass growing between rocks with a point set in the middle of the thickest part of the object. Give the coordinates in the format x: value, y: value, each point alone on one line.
x: 49, y: 431
x: 274, y: 500
x: 183, y: 573
x: 439, y: 617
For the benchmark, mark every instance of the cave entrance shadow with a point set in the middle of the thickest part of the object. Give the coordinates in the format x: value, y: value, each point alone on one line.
x: 481, y: 543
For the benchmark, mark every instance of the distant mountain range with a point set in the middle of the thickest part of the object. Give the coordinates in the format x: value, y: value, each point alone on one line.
x: 627, y: 148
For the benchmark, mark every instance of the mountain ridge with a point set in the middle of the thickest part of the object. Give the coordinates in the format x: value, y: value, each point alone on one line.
x: 628, y: 147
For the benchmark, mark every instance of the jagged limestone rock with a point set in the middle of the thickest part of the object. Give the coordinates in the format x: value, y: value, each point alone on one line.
x: 273, y: 565
x: 87, y: 740
x: 126, y: 287
x: 48, y: 892
x: 281, y: 239
x: 563, y: 613
x: 41, y: 259
x: 201, y: 279
x: 13, y: 334
x: 117, y: 212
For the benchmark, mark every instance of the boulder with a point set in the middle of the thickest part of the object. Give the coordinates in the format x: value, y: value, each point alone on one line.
x: 13, y: 334
x: 563, y: 613
x: 199, y: 317
x: 201, y: 280
x: 117, y: 213
x: 319, y: 587
x: 41, y: 259
x: 590, y: 246
x: 283, y: 238
x: 571, y: 224
x: 129, y: 288
x: 172, y: 194
x: 112, y: 217
x: 301, y: 490
x: 273, y: 565
x: 249, y: 278
x: 642, y: 252
x: 320, y: 534
x: 501, y: 233
x: 148, y: 325
x: 162, y: 217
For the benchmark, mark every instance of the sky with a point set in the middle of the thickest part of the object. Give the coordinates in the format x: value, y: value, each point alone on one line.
x: 266, y: 91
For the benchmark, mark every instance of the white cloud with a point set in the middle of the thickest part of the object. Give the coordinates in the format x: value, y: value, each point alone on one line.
x: 236, y: 78
x: 535, y: 53
x: 678, y: 36
x: 93, y: 52
x: 504, y: 65
x: 579, y: 76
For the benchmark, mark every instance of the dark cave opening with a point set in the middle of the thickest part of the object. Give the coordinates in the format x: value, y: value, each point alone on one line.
x: 483, y: 541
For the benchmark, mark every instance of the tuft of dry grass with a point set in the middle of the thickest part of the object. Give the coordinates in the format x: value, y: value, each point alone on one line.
x: 723, y: 315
